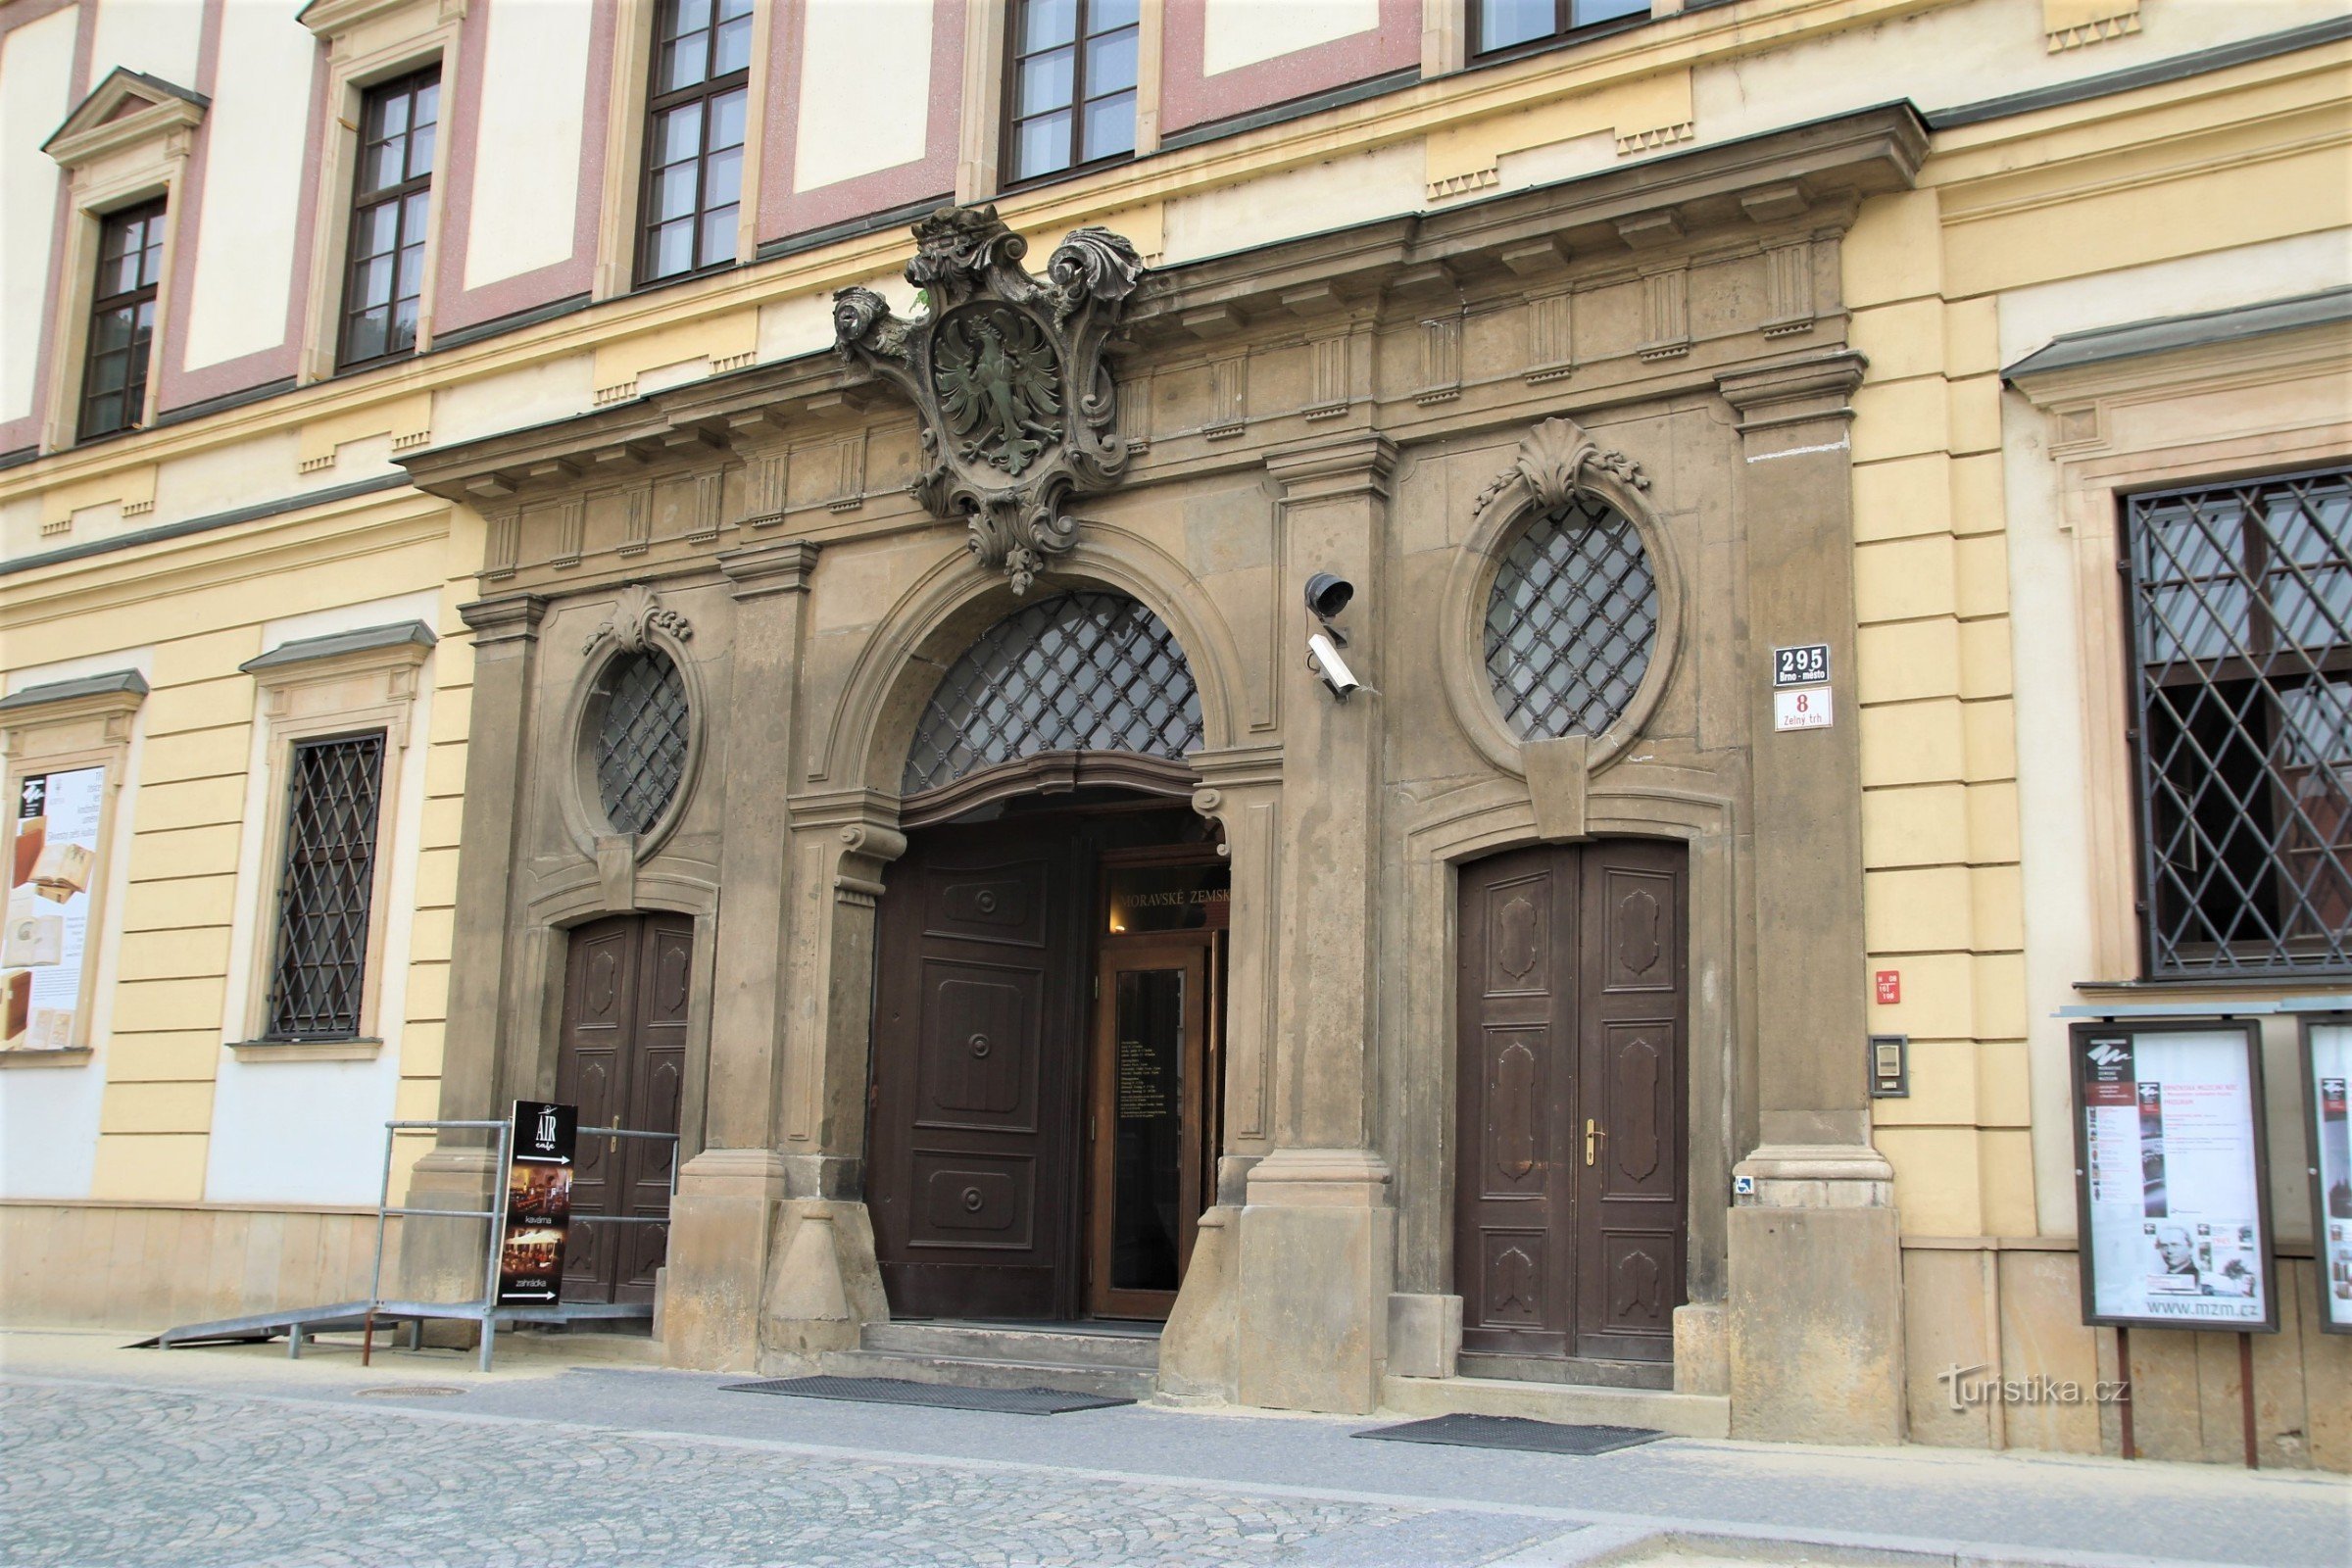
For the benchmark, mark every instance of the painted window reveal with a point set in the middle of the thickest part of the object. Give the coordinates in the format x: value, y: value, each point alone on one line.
x: 1510, y: 24
x: 1073, y: 86
x: 1080, y: 673
x: 391, y: 194
x: 131, y: 269
x: 1571, y: 621
x: 2241, y: 627
x: 325, y: 888
x: 694, y: 134
x: 640, y: 738
x: 55, y: 864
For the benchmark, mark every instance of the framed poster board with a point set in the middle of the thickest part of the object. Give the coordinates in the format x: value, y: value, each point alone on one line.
x: 2171, y: 1175
x: 2326, y: 1077
x: 47, y: 956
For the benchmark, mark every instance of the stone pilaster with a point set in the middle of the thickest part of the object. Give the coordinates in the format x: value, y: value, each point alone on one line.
x: 724, y: 1218
x: 1317, y: 1232
x: 1815, y: 1300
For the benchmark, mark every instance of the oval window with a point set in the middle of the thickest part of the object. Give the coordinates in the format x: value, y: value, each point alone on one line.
x: 638, y: 721
x: 1571, y: 621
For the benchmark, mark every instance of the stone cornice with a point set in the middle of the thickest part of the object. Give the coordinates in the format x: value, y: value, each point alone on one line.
x: 780, y: 567
x: 506, y: 618
x: 328, y: 19
x: 1792, y: 391
x: 98, y: 125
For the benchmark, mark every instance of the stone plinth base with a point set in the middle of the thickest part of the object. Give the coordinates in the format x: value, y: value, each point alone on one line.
x: 1317, y: 1254
x: 719, y: 1230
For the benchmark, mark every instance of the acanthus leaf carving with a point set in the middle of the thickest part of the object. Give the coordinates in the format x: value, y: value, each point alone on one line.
x: 636, y: 615
x: 1551, y: 464
x: 1017, y: 406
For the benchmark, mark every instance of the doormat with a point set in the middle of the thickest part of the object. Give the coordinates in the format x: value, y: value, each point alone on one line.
x: 1514, y: 1432
x: 937, y: 1396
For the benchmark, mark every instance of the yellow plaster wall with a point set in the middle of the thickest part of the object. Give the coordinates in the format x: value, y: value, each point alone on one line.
x: 200, y: 606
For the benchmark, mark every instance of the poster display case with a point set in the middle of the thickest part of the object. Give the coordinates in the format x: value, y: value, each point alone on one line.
x: 2171, y: 1175
x: 2327, y: 1076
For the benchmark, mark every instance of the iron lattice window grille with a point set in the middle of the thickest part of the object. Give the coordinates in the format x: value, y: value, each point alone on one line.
x: 1499, y: 24
x: 640, y: 738
x: 1081, y: 672
x: 131, y: 269
x: 2241, y: 625
x: 391, y: 193
x: 325, y: 888
x: 694, y: 114
x: 1073, y: 85
x: 1571, y: 621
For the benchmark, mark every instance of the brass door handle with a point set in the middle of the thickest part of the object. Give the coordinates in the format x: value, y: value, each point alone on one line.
x: 1593, y: 1137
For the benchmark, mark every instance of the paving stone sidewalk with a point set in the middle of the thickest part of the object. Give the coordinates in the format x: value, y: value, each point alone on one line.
x: 98, y: 1476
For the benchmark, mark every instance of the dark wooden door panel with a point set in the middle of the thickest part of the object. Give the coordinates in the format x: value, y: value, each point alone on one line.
x: 1569, y: 1195
x: 621, y: 1059
x: 977, y: 1057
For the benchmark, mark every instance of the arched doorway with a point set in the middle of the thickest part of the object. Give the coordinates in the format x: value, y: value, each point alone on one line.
x: 1049, y: 968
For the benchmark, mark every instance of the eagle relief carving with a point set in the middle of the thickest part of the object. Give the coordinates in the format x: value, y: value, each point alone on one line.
x: 1006, y: 372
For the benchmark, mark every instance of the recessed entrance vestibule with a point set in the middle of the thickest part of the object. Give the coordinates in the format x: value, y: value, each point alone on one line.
x: 1047, y: 1029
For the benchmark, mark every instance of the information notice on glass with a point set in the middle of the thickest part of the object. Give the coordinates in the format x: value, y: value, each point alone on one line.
x: 2328, y: 1071
x: 531, y: 1256
x: 2167, y: 1140
x: 42, y: 946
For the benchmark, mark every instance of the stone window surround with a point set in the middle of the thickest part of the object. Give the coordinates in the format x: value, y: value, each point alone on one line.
x: 369, y: 41
x: 618, y: 227
x: 2115, y: 426
x: 110, y: 164
x: 309, y: 689
x: 80, y: 723
x: 1469, y: 689
x: 638, y: 621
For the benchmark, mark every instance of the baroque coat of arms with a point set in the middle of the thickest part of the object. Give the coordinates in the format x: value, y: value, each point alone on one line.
x: 1006, y: 372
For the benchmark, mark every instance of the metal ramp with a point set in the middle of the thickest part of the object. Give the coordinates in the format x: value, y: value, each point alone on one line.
x: 300, y: 1323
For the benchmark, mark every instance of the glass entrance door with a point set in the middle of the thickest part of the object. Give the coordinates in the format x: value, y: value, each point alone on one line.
x: 1150, y: 1033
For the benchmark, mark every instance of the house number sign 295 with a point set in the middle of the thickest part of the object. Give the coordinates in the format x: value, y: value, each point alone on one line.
x: 1805, y: 664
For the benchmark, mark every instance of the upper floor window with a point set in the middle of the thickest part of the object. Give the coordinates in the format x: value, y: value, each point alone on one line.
x: 694, y: 133
x: 1508, y: 23
x: 130, y: 266
x: 1073, y: 88
x: 2240, y: 599
x: 399, y: 123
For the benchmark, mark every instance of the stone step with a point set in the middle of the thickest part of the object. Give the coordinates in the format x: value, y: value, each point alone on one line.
x: 1683, y: 1415
x: 967, y: 1372
x: 1050, y: 1346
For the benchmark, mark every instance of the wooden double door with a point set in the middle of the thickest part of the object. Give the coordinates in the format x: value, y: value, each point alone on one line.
x: 1570, y: 1192
x: 1041, y: 1121
x: 621, y: 1059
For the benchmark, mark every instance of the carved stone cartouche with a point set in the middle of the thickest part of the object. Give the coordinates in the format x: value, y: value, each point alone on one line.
x: 636, y: 615
x: 1018, y: 409
x: 1552, y: 462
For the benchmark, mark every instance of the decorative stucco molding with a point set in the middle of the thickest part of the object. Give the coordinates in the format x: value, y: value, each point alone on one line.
x: 1006, y: 374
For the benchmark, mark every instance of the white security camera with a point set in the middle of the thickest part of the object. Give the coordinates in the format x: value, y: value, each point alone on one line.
x: 1323, y: 657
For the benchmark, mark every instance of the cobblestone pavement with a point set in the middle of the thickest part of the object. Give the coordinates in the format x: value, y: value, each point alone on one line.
x: 125, y: 1476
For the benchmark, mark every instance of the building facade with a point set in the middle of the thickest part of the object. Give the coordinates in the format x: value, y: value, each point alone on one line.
x: 1313, y: 675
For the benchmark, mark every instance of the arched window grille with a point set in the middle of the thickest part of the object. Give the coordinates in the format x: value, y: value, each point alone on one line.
x: 1571, y: 621
x: 1082, y: 671
x: 639, y: 724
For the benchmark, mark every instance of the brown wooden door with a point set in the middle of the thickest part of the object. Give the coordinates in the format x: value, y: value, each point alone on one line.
x: 973, y: 1144
x: 1571, y: 1009
x: 622, y: 1060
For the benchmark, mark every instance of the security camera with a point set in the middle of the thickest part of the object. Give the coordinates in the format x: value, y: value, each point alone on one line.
x: 1327, y: 596
x: 1323, y: 657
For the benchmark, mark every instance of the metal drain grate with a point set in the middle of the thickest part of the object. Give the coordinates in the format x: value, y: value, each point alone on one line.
x: 1514, y: 1432
x: 893, y: 1390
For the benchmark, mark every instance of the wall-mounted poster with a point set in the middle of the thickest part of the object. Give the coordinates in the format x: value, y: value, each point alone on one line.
x: 52, y: 869
x: 530, y: 1256
x: 2327, y: 1076
x: 2169, y: 1176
